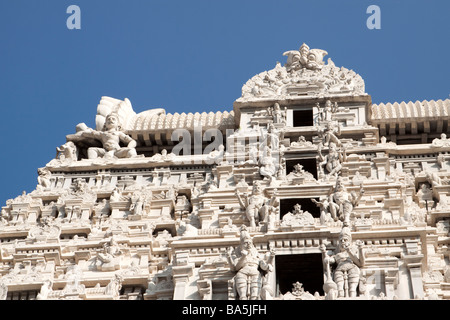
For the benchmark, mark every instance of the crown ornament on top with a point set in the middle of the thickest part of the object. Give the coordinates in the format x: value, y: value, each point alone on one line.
x: 305, y: 57
x: 304, y: 75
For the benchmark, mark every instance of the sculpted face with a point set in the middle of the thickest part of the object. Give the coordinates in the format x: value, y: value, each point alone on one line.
x: 111, y: 122
x: 257, y: 189
x: 345, y: 242
x: 247, y: 244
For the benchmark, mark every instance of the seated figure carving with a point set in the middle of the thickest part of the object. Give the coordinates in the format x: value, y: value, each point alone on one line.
x: 110, y: 137
x: 109, y: 259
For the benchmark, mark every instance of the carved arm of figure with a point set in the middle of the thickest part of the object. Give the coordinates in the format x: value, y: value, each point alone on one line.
x: 241, y: 201
x: 334, y: 108
x: 230, y: 259
x: 267, y: 265
x: 359, y: 261
x: 355, y: 198
x: 321, y: 114
x: 327, y: 259
x: 131, y: 143
x: 322, y: 159
x: 242, y: 260
x: 273, y: 202
x: 338, y: 131
x: 343, y: 155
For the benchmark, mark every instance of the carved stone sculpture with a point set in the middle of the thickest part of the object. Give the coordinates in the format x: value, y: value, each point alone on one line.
x: 110, y: 138
x: 346, y: 274
x: 279, y: 116
x: 342, y: 201
x: 305, y: 58
x: 44, y: 178
x: 109, y: 259
x: 250, y: 267
x: 332, y: 162
x: 297, y: 218
x: 267, y: 164
x: 256, y: 205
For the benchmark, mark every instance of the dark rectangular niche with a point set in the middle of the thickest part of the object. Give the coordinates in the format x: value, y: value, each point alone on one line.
x: 287, y: 205
x: 309, y: 164
x: 305, y: 268
x: 303, y: 118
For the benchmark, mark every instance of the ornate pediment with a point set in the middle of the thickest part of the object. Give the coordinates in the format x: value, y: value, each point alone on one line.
x: 304, y: 74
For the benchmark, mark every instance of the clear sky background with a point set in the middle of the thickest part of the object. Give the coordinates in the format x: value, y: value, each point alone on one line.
x: 191, y: 56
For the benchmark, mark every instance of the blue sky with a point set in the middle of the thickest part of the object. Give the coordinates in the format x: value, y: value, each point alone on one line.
x: 191, y: 56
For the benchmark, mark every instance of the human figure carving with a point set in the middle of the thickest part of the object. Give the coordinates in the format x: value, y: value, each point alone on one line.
x: 332, y: 162
x: 110, y: 256
x: 44, y: 178
x: 347, y: 260
x: 330, y: 133
x: 110, y: 137
x: 251, y: 268
x: 279, y: 116
x: 256, y: 205
x: 268, y: 168
x: 326, y: 113
x: 324, y: 206
x: 342, y: 201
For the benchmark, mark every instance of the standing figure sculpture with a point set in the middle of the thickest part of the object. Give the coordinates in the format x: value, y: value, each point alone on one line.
x: 279, y: 116
x: 111, y: 136
x: 342, y: 202
x: 326, y: 113
x: 347, y: 274
x: 256, y: 205
x: 250, y: 267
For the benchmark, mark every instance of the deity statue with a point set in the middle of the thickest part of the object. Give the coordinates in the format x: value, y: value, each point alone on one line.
x: 329, y: 133
x: 273, y: 137
x: 114, y: 286
x: 111, y: 136
x: 279, y: 116
x: 342, y: 202
x: 348, y: 260
x: 324, y: 205
x: 109, y: 259
x: 251, y: 268
x: 326, y: 113
x: 442, y: 142
x: 268, y: 168
x: 46, y: 288
x: 44, y: 178
x: 257, y: 206
x: 332, y: 162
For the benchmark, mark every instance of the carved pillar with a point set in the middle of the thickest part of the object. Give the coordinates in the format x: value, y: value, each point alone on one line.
x: 165, y: 177
x: 205, y: 289
x: 382, y: 165
x: 181, y: 270
x: 223, y: 173
x: 390, y: 282
x: 155, y: 181
x: 414, y: 262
